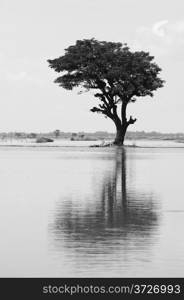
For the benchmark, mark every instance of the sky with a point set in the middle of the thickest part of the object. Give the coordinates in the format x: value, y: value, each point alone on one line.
x: 33, y: 31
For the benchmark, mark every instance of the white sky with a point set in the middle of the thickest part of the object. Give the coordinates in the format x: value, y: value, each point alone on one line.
x: 33, y: 31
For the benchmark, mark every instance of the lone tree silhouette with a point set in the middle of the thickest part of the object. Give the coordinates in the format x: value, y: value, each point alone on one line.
x: 117, y: 75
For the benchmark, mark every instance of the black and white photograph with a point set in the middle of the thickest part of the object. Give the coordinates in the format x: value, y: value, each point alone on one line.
x: 91, y: 139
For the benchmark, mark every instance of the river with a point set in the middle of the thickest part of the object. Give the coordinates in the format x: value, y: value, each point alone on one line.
x: 91, y: 212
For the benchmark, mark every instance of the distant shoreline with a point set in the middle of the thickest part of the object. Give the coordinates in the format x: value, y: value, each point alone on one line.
x: 91, y: 136
x: 100, y: 143
x: 90, y: 146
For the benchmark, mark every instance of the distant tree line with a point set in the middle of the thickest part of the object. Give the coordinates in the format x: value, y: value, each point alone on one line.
x: 57, y: 134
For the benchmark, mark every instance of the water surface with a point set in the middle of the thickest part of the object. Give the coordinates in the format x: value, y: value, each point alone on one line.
x: 86, y: 212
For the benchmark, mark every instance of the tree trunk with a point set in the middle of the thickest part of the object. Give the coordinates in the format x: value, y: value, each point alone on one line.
x: 120, y: 134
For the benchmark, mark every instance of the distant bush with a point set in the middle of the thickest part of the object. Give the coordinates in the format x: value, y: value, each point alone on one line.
x: 44, y: 140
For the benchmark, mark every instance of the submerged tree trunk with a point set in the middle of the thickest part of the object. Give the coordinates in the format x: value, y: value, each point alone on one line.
x: 122, y: 125
x: 120, y: 134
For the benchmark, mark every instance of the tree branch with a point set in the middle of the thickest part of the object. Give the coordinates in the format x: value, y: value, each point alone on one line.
x: 123, y: 111
x: 131, y: 121
x: 108, y: 101
x: 102, y: 98
x: 102, y: 110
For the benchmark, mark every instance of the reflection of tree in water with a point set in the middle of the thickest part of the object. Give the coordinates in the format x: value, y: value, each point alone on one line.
x: 118, y: 217
x: 130, y: 209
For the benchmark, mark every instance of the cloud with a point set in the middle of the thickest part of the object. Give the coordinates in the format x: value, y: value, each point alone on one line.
x: 159, y: 28
x: 161, y: 38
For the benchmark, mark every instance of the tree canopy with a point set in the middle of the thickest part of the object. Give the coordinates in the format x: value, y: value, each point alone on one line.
x: 116, y: 74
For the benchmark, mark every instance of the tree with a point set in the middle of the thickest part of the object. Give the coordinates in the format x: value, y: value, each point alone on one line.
x: 57, y: 133
x: 117, y: 75
x: 18, y: 135
x: 32, y: 135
